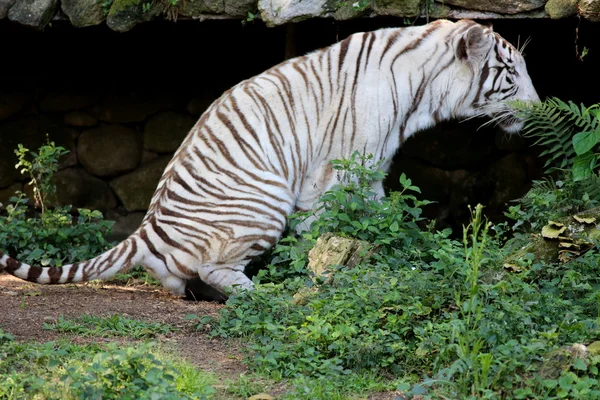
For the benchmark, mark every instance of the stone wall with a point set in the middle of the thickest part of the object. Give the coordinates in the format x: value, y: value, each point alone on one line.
x: 122, y: 103
x: 119, y: 145
x: 124, y: 15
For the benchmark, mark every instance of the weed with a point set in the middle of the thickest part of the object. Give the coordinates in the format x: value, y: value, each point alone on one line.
x: 115, y: 325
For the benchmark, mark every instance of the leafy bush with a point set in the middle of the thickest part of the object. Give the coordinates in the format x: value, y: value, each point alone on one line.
x: 442, y: 314
x: 53, y: 237
x: 62, y: 370
x: 570, y: 137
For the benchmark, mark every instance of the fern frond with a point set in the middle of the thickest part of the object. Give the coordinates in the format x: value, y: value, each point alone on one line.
x: 553, y: 123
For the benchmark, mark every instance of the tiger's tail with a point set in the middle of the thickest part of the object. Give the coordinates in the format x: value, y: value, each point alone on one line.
x: 118, y: 259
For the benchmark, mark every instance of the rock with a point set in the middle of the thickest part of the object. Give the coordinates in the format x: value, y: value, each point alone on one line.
x: 239, y: 8
x: 61, y: 101
x: 165, y: 131
x: 5, y: 5
x: 278, y: 12
x: 31, y: 132
x: 148, y: 156
x: 12, y: 102
x: 333, y: 250
x: 193, y: 8
x: 261, y: 396
x: 83, y: 13
x: 557, y: 361
x: 499, y: 6
x: 80, y: 119
x: 399, y: 8
x: 76, y: 187
x: 594, y: 348
x: 109, y: 150
x: 558, y: 9
x: 590, y: 10
x: 351, y: 9
x: 136, y: 188
x: 7, y: 193
x: 124, y: 15
x: 33, y: 13
x: 134, y: 107
x: 124, y: 225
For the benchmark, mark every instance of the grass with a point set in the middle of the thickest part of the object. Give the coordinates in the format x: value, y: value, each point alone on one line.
x: 63, y: 370
x: 115, y: 325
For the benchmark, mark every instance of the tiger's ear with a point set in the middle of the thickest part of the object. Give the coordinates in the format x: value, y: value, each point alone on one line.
x: 473, y: 45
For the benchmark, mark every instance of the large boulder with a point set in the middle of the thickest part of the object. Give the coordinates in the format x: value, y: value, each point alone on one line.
x: 11, y: 102
x: 33, y: 13
x: 134, y: 107
x: 136, y: 188
x: 109, y: 150
x: 165, y: 131
x: 5, y: 5
x: 499, y: 6
x: 80, y: 119
x: 76, y: 187
x: 67, y: 100
x: 193, y: 8
x: 124, y: 225
x: 239, y: 8
x: 83, y: 13
x: 557, y: 9
x: 278, y: 12
x: 400, y: 8
x: 590, y: 9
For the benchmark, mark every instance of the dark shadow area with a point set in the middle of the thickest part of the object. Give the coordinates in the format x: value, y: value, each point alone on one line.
x: 455, y: 164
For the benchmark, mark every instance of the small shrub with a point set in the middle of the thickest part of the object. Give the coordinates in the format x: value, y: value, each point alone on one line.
x: 53, y: 237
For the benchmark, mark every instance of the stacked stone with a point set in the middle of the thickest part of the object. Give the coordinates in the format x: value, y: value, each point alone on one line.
x: 124, y: 15
x: 119, y: 145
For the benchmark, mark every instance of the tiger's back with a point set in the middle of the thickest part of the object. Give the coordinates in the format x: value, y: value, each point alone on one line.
x: 263, y: 149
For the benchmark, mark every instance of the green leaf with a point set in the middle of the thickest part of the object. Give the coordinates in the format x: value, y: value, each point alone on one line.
x: 585, y: 141
x: 583, y: 166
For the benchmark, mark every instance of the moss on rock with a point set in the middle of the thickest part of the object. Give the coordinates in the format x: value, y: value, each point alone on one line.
x: 398, y: 8
x: 557, y: 9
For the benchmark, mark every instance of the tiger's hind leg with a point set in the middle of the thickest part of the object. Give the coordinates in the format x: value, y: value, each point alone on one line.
x: 226, y: 278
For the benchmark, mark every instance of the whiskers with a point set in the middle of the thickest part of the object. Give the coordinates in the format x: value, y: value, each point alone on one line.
x: 505, y: 117
x: 501, y: 115
x: 521, y: 49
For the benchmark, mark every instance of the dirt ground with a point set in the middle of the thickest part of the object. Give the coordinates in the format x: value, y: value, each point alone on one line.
x: 25, y: 307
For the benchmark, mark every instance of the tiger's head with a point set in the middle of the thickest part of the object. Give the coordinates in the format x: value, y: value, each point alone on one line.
x: 498, y: 74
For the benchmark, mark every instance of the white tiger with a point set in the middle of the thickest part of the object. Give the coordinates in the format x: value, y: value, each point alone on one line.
x: 263, y: 149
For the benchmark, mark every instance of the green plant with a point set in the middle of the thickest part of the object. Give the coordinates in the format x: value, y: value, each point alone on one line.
x: 570, y: 133
x: 570, y: 136
x: 40, y: 170
x: 115, y: 325
x: 442, y: 315
x: 62, y: 370
x: 55, y: 236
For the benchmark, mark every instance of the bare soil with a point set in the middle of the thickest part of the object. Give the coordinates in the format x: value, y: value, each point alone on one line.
x: 25, y: 307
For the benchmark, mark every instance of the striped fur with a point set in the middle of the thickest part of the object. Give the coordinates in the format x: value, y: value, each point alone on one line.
x: 262, y: 150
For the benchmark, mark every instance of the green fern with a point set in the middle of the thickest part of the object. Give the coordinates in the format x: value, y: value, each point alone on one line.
x: 569, y: 133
